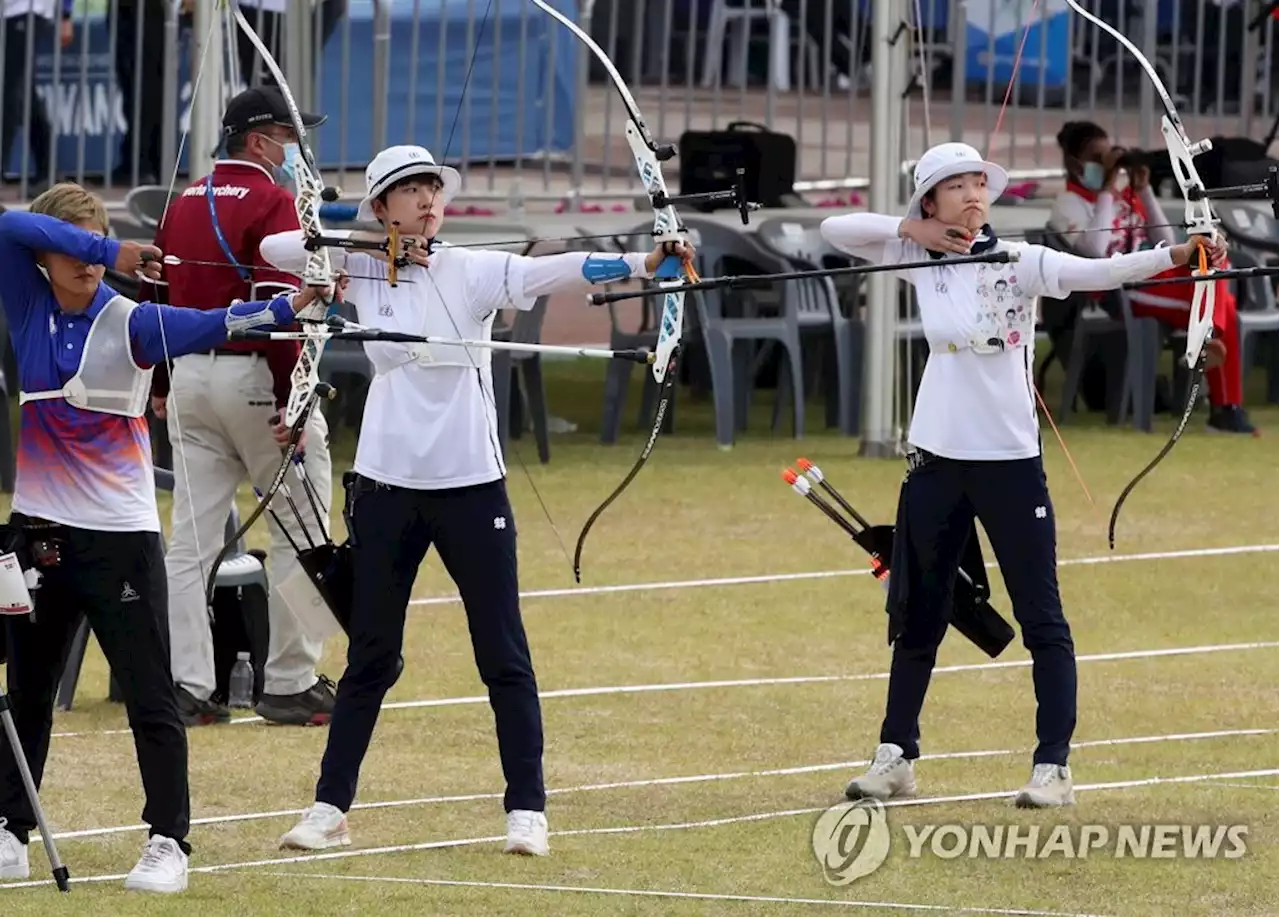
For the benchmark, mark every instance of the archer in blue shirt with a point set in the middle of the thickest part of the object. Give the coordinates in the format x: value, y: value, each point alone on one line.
x: 70, y: 459
x: 84, y: 521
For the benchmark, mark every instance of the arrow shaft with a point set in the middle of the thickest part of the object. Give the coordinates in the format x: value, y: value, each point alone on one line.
x: 635, y: 356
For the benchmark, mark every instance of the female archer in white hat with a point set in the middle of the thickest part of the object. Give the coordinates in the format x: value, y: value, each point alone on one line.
x: 975, y: 449
x: 429, y: 471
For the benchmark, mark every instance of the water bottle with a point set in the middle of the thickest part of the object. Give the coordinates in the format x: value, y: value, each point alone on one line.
x: 241, y: 686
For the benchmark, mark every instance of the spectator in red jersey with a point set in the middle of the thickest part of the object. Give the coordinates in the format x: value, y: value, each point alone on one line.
x: 224, y: 408
x: 1109, y: 207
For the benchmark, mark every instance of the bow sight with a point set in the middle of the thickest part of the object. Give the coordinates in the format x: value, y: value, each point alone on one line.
x: 737, y: 195
x: 1266, y: 190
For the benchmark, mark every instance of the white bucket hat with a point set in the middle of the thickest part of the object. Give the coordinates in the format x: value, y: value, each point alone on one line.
x: 397, y: 162
x: 947, y: 159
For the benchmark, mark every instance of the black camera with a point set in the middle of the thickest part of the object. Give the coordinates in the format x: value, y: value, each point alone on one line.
x: 1128, y: 159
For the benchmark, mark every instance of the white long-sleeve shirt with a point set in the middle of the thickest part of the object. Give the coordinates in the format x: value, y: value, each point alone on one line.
x: 429, y: 420
x: 976, y: 398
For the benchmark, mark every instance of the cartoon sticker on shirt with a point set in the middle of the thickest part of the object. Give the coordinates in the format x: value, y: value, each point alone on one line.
x: 1001, y: 288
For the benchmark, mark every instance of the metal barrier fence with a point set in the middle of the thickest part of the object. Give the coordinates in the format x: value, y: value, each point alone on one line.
x: 538, y: 120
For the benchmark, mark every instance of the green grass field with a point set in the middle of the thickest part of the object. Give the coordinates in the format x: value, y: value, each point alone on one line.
x: 696, y: 728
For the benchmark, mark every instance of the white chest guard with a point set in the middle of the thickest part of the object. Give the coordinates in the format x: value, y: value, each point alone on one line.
x: 1004, y: 314
x: 422, y: 310
x: 109, y: 380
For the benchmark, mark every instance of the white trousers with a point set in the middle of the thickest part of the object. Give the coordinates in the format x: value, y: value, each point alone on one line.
x: 219, y: 412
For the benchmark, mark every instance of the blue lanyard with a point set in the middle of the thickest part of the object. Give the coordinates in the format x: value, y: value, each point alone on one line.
x: 217, y: 231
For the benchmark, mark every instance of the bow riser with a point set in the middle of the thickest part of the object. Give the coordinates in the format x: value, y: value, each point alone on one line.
x: 667, y: 227
x: 1200, y: 221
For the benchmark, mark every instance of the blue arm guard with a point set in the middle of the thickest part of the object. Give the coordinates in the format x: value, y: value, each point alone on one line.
x: 605, y: 268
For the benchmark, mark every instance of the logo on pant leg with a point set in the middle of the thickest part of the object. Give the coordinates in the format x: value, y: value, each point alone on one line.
x: 128, y: 593
x: 1041, y: 512
x: 499, y: 522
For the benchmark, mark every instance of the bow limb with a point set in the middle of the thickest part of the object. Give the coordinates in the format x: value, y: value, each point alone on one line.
x: 318, y: 273
x: 1200, y: 221
x: 667, y: 225
x: 668, y: 228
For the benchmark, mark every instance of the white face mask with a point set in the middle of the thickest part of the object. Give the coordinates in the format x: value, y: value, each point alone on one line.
x: 285, y: 172
x: 1093, y: 176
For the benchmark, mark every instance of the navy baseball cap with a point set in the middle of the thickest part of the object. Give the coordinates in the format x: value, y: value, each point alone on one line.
x: 260, y: 106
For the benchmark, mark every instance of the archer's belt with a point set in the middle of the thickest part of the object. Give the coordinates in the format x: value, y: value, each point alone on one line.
x: 918, y: 458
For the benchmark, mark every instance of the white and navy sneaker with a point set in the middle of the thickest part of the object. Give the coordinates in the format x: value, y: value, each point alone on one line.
x: 1050, y: 785
x: 13, y: 855
x: 321, y: 826
x: 527, y: 833
x: 890, y: 775
x: 162, y: 868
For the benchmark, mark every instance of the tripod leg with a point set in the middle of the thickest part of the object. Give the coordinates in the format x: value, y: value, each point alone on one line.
x: 60, y: 873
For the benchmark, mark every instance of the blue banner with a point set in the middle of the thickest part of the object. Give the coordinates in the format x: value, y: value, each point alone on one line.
x: 497, y: 119
x: 995, y: 29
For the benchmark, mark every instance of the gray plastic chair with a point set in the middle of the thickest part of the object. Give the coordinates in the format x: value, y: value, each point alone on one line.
x: 1259, y: 314
x: 801, y: 242
x: 147, y: 204
x: 723, y: 250
x: 240, y: 569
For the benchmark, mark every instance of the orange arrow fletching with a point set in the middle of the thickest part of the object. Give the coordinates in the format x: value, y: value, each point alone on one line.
x: 789, y: 476
x: 804, y: 464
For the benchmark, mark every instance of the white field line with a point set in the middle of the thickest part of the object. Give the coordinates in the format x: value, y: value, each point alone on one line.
x: 677, y: 826
x: 858, y: 571
x: 1248, y: 786
x: 695, y: 896
x: 767, y: 682
x: 674, y: 781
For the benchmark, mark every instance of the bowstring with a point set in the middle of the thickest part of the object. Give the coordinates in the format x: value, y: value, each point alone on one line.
x: 171, y: 401
x: 490, y: 398
x: 1004, y: 105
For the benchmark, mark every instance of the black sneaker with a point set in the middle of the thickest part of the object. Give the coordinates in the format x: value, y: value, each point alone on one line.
x: 1231, y: 418
x: 312, y: 707
x: 196, y: 712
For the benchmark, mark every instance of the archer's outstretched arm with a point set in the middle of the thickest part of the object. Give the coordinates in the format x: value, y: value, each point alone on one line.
x: 1056, y: 274
x: 158, y: 331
